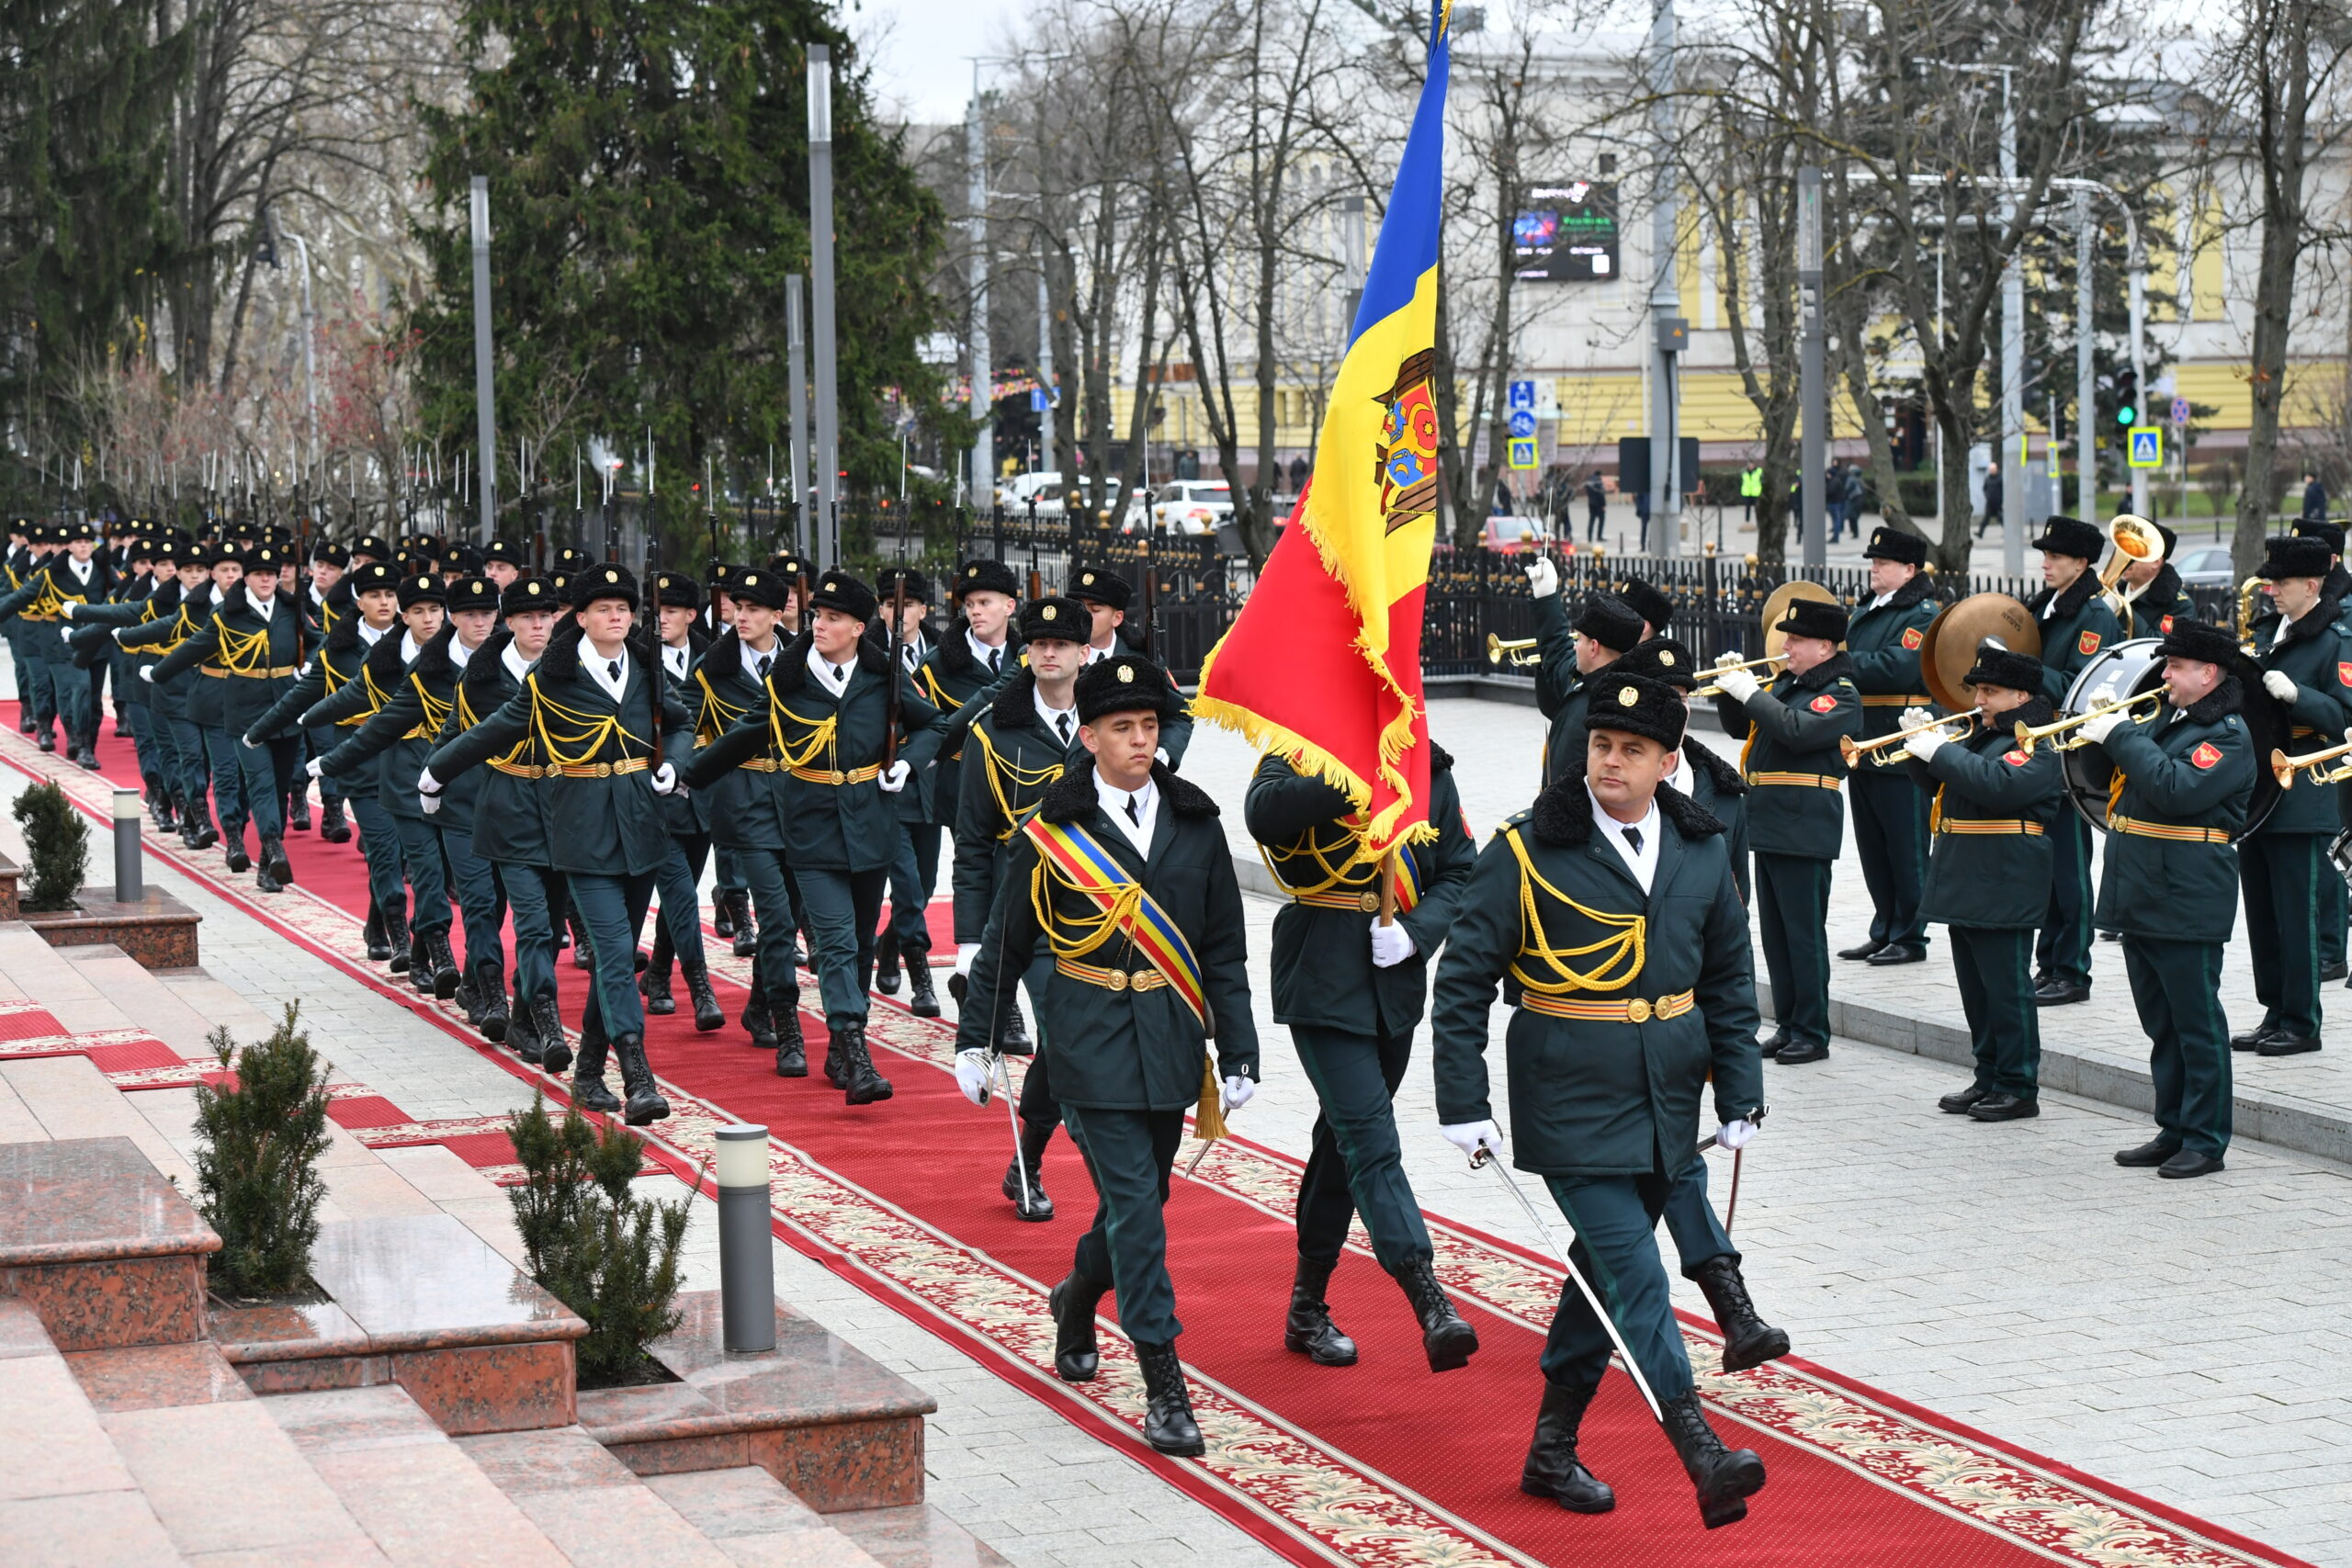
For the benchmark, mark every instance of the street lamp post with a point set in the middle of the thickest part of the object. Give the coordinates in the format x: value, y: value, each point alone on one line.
x: 821, y: 227
x: 1669, y: 332
x: 981, y: 406
x: 309, y: 350
x: 1813, y: 392
x: 485, y: 413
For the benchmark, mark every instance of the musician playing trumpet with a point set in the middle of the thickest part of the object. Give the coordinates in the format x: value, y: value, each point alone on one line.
x: 1991, y: 805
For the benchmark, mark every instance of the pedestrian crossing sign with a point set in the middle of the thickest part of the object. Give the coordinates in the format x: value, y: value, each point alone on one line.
x: 2147, y: 447
x: 1523, y: 452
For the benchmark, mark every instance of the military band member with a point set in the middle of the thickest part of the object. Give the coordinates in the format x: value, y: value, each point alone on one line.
x: 1108, y: 595
x: 2170, y: 885
x: 1654, y: 608
x: 1796, y: 815
x: 249, y: 652
x: 2334, y: 899
x: 1993, y: 802
x: 1610, y: 903
x: 2156, y: 595
x: 1890, y: 808
x: 677, y: 937
x: 2306, y: 651
x: 1023, y: 738
x: 921, y: 812
x: 592, y: 701
x: 1352, y: 991
x: 1572, y: 654
x: 2075, y: 624
x: 826, y: 721
x: 1129, y: 1008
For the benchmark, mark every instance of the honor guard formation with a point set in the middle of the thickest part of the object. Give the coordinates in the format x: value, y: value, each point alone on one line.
x: 538, y: 749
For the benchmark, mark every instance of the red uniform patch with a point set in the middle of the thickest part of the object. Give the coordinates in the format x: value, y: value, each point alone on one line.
x: 2088, y: 643
x: 2206, y: 754
x: 1913, y: 637
x: 1824, y: 703
x: 2344, y: 673
x: 2016, y: 758
x: 2166, y: 629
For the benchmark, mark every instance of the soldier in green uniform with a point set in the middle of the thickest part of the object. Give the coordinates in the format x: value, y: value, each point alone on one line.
x: 2075, y: 624
x: 1797, y: 814
x: 1994, y: 804
x: 1352, y: 990
x: 1572, y: 653
x: 1108, y: 595
x: 1890, y: 808
x: 2334, y: 899
x: 914, y: 867
x: 326, y: 604
x: 826, y: 724
x: 2156, y: 595
x: 677, y: 936
x: 1017, y: 740
x: 2171, y: 882
x: 2306, y: 651
x: 250, y: 651
x: 612, y: 741
x: 1123, y: 875
x: 87, y: 631
x: 76, y: 576
x: 1612, y: 905
x: 146, y: 632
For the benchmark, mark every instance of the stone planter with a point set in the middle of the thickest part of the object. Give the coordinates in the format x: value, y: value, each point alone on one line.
x: 10, y: 872
x: 158, y: 930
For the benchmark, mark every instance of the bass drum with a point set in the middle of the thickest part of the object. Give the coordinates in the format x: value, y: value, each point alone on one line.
x: 2129, y: 668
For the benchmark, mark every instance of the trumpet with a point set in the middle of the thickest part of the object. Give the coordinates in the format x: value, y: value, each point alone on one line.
x: 1518, y: 653
x: 1854, y: 750
x: 2284, y: 768
x: 2030, y: 736
x: 1728, y: 662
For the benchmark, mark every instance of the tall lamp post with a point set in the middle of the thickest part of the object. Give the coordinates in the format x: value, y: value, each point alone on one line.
x: 827, y: 455
x: 485, y: 412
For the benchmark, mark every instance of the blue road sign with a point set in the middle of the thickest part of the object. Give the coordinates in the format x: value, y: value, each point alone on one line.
x: 1037, y: 400
x: 2180, y: 410
x: 2147, y: 447
x: 1522, y: 422
x: 1523, y: 452
x: 1522, y: 395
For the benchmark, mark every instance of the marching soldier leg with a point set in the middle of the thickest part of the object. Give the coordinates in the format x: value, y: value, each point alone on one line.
x: 477, y: 889
x: 1024, y: 1185
x: 531, y: 896
x: 678, y: 879
x: 2176, y: 987
x: 220, y: 749
x: 2279, y: 875
x: 2333, y: 912
x: 380, y: 845
x: 841, y: 905
x: 1128, y: 1154
x: 419, y: 852
x: 2063, y: 953
x: 258, y: 777
x: 39, y: 692
x: 612, y: 910
x: 1710, y: 1261
x: 772, y: 1012
x: 194, y: 781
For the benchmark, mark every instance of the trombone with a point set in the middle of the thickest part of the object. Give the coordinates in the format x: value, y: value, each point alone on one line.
x: 1518, y: 653
x: 2029, y: 736
x: 1728, y: 662
x: 2284, y: 768
x: 1854, y: 750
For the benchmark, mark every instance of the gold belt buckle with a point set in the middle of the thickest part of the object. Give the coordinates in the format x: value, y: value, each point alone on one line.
x: 1638, y: 1011
x: 1115, y: 980
x: 1369, y: 903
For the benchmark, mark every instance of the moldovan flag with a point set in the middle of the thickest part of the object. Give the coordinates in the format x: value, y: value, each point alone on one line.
x: 1324, y: 662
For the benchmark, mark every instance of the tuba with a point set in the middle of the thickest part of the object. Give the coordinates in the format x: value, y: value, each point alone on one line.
x: 2134, y: 540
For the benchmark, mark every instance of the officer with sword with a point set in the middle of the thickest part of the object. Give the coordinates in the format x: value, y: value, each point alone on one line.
x: 1611, y: 905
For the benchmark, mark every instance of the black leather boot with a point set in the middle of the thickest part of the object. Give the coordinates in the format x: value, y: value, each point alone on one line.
x: 489, y: 990
x: 274, y: 861
x: 1748, y: 1340
x: 265, y: 880
x: 588, y: 1089
x: 372, y: 933
x: 747, y: 926
x: 208, y: 833
x: 645, y: 1101
x: 722, y: 913
x: 443, y: 963
x: 166, y: 811
x: 709, y: 1014
x: 922, y: 997
x: 886, y: 963
x: 555, y: 1053
x: 1077, y: 1358
x: 1308, y: 1330
x: 1015, y: 1040
x: 756, y: 1019
x: 522, y: 1034
x: 847, y: 1058
x: 420, y: 963
x: 582, y: 957
x: 397, y: 938
x: 654, y: 984
x: 332, y: 829
x: 1168, y: 1422
x: 1725, y: 1478
x: 469, y: 1001
x: 1552, y: 1469
x: 234, y: 839
x: 1446, y: 1338
x: 298, y: 812
x: 791, y: 1049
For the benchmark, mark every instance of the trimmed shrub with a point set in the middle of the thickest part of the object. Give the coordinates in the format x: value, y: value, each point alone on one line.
x: 257, y: 1176
x: 57, y: 841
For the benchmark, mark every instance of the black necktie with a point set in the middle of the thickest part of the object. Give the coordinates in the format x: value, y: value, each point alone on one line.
x: 996, y: 661
x: 1135, y: 812
x: 1634, y: 839
x: 764, y: 659
x: 1061, y: 722
x: 615, y: 666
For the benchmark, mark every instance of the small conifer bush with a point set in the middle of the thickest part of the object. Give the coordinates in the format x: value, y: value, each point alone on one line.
x: 257, y: 1171
x: 57, y: 841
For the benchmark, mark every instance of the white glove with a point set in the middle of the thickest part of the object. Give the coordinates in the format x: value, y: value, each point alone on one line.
x: 893, y: 777
x: 305, y: 670
x: 1925, y: 744
x: 2098, y: 729
x: 311, y: 767
x: 425, y: 783
x: 964, y: 953
x: 2278, y: 685
x: 1914, y: 718
x: 1391, y: 945
x: 115, y: 632
x: 248, y: 742
x: 665, y: 779
x: 1738, y: 686
x: 429, y: 803
x: 147, y: 673
x: 1468, y: 1136
x: 1543, y: 577
x: 65, y: 634
x: 1735, y: 1134
x: 1237, y: 1094
x: 972, y: 1075
x: 66, y: 609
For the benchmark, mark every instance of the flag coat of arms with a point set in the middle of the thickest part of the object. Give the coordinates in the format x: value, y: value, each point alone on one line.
x: 1324, y: 662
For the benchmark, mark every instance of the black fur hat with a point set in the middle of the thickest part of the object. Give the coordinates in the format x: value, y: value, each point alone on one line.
x: 1123, y: 683
x: 2295, y: 556
x: 2071, y: 537
x: 1999, y: 666
x: 1894, y: 544
x: 1611, y: 621
x: 423, y: 589
x: 1660, y: 658
x: 840, y: 590
x: 372, y: 574
x: 608, y: 581
x: 988, y: 576
x: 676, y: 590
x: 1057, y: 617
x: 2199, y: 640
x: 1648, y: 603
x: 474, y: 594
x: 2307, y: 529
x: 1100, y: 585
x: 1638, y: 706
x: 886, y: 583
x: 760, y: 585
x: 1815, y: 618
x: 527, y: 593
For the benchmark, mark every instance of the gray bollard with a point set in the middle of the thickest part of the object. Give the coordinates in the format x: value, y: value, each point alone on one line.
x: 746, y: 1243
x: 130, y: 860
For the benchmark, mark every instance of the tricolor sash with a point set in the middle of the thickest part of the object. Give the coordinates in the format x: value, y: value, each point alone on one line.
x: 1408, y: 881
x: 1074, y: 857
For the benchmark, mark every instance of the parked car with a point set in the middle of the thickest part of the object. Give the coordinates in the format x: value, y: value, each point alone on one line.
x: 1192, y: 506
x: 1013, y: 495
x: 2204, y: 566
x: 1515, y: 535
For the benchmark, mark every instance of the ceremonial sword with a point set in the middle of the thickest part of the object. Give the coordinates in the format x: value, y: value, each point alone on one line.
x: 1731, y: 1205
x: 1485, y: 1159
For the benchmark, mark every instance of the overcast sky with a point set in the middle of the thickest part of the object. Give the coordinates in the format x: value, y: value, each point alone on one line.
x: 921, y: 50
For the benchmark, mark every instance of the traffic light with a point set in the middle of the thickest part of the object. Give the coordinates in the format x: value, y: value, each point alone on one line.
x: 2127, y: 398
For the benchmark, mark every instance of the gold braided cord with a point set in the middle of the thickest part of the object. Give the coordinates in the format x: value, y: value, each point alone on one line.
x: 1620, y: 954
x: 584, y: 732
x: 1001, y: 768
x: 1334, y: 875
x: 822, y: 735
x: 716, y: 715
x: 241, y: 653
x: 436, y: 712
x: 1092, y: 930
x: 927, y: 683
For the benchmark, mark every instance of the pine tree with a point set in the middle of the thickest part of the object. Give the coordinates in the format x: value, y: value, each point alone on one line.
x: 257, y: 1172
x: 57, y: 841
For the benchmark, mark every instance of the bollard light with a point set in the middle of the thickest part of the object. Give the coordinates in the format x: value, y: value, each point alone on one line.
x: 130, y: 860
x: 746, y: 1244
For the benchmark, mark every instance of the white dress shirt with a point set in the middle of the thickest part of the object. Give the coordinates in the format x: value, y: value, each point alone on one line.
x: 1093, y: 653
x: 674, y: 660
x: 991, y: 659
x: 1055, y: 720
x: 371, y: 636
x: 263, y: 605
x: 459, y: 653
x: 835, y: 676
x: 516, y: 665
x: 610, y: 673
x: 1642, y: 862
x: 81, y: 569
x: 410, y: 648
x: 1147, y: 804
x: 757, y: 664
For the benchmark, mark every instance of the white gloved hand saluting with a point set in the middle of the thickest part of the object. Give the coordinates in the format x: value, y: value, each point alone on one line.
x: 972, y: 1075
x: 1737, y: 684
x: 1234, y: 1094
x: 1470, y: 1136
x: 2098, y: 729
x: 665, y: 779
x: 1926, y: 743
x: 1543, y: 577
x: 2277, y: 684
x: 894, y: 778
x: 1734, y: 1135
x: 1391, y: 945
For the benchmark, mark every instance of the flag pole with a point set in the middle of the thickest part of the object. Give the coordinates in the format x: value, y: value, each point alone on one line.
x: 1389, y: 888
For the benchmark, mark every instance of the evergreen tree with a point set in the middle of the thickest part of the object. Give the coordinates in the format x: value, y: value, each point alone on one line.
x: 257, y: 1165
x: 648, y: 172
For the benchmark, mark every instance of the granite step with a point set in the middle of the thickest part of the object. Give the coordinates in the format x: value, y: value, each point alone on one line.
x: 594, y: 1508
x: 67, y: 1498
x: 759, y: 1524
x: 413, y: 1492
x: 69, y: 1098
x: 97, y: 1242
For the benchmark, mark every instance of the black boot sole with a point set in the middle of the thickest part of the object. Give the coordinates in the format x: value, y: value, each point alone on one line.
x: 639, y: 1114
x: 1303, y: 1345
x: 1179, y: 1448
x: 872, y: 1093
x: 793, y: 1067
x: 1451, y: 1347
x: 1768, y: 1345
x: 1602, y: 1505
x: 1071, y: 1366
x: 1738, y: 1477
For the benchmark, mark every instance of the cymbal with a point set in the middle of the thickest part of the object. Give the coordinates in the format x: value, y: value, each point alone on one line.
x: 1948, y: 651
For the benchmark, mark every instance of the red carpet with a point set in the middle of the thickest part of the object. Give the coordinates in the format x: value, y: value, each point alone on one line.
x: 1382, y: 1465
